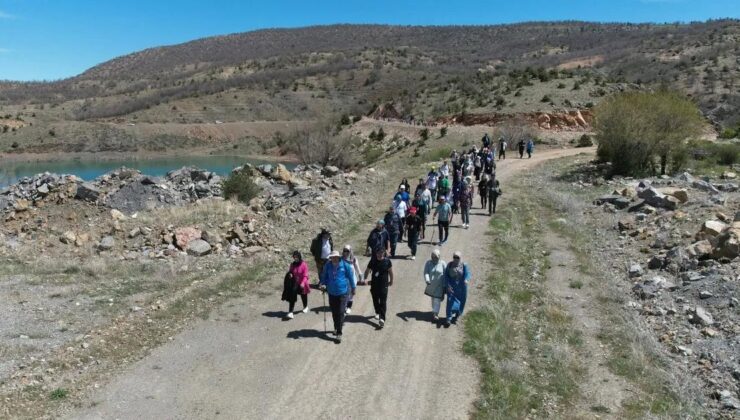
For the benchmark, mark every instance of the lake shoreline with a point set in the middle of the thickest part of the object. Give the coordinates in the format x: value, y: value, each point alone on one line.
x: 143, y: 156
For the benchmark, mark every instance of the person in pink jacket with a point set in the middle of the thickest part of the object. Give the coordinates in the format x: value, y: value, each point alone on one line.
x: 296, y: 283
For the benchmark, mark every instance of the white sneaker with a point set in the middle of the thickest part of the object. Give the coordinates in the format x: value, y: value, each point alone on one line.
x: 377, y: 316
x: 348, y: 311
x: 413, y: 257
x: 305, y: 310
x: 290, y: 315
x: 382, y: 322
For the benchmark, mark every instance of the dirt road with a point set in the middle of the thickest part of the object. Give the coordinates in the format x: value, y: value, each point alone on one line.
x: 246, y: 362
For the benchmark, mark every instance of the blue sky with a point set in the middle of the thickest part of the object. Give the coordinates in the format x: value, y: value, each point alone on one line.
x: 52, y: 39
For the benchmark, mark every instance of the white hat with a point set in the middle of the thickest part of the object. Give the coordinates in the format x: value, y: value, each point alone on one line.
x: 334, y: 253
x: 436, y: 253
x: 457, y: 254
x: 348, y: 247
x: 403, y: 187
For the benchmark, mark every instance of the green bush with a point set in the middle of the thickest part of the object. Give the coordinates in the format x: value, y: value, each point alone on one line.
x: 240, y: 186
x: 442, y: 132
x: 584, y: 141
x: 424, y: 134
x: 728, y: 133
x: 726, y: 153
x: 372, y: 154
x: 58, y: 394
x: 641, y: 132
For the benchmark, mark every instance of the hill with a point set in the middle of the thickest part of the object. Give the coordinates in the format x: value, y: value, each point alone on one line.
x: 178, y: 96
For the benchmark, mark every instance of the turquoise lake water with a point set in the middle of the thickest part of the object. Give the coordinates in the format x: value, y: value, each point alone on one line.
x: 10, y: 172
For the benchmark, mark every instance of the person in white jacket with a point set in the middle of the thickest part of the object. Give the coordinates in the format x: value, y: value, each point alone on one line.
x: 434, y: 277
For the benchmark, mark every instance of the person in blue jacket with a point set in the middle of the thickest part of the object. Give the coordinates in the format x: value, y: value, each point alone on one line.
x: 338, y: 279
x: 456, y: 278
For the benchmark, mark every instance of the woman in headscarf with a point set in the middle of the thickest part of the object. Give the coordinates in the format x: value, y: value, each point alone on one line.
x: 434, y: 270
x: 349, y: 256
x: 456, y: 278
x: 338, y: 279
x: 296, y: 283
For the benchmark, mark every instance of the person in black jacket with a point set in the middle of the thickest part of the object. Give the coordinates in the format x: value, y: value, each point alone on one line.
x: 494, y: 191
x: 393, y: 226
x: 321, y: 246
x: 378, y: 238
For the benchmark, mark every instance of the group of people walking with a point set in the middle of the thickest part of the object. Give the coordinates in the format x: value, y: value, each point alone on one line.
x: 340, y: 274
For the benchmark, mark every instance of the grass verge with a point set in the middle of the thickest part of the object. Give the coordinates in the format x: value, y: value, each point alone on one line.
x: 523, y: 340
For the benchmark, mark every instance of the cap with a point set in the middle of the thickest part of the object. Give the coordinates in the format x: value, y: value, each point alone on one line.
x: 348, y: 247
x: 334, y: 253
x: 457, y: 254
x: 412, y: 210
x: 403, y: 187
x: 443, y: 198
x: 381, y: 222
x: 436, y: 253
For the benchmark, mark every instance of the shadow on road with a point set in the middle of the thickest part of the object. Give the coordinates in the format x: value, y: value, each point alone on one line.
x: 298, y: 334
x: 416, y: 316
x: 358, y: 319
x: 276, y: 314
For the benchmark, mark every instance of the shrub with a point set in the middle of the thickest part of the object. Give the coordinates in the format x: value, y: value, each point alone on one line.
x: 344, y: 120
x: 584, y: 141
x: 239, y: 185
x: 442, y: 132
x: 424, y: 134
x: 381, y: 134
x: 321, y: 145
x: 58, y: 394
x: 726, y: 153
x: 728, y: 133
x: 546, y: 98
x: 639, y: 131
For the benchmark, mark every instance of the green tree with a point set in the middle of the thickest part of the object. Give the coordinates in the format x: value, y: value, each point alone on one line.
x: 639, y: 132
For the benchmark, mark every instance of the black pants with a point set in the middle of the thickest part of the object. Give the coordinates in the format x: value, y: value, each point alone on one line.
x: 403, y: 223
x: 380, y: 299
x: 521, y: 153
x: 492, y: 204
x: 304, y: 299
x: 502, y: 155
x: 338, y: 305
x: 483, y: 201
x: 394, y: 241
x: 413, y: 240
x: 444, y: 227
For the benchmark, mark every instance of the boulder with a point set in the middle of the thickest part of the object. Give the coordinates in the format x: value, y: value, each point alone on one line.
x: 687, y: 177
x: 700, y: 250
x: 713, y: 228
x: 265, y: 169
x: 635, y: 270
x: 655, y: 263
x: 681, y: 194
x: 330, y: 171
x: 43, y: 190
x: 626, y: 224
x: 185, y: 235
x: 729, y: 175
x: 21, y: 205
x: 68, y: 237
x: 704, y: 186
x: 655, y: 198
x: 87, y: 192
x: 629, y: 192
x: 117, y: 215
x: 700, y: 316
x: 211, y: 236
x: 281, y: 173
x: 728, y: 244
x: 616, y: 200
x: 198, y: 248
x: 107, y: 243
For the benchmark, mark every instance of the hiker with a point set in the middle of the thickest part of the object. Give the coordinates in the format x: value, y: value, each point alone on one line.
x: 494, y: 192
x: 321, y: 246
x: 466, y: 201
x: 456, y: 278
x: 421, y: 187
x: 401, y: 208
x: 444, y: 188
x: 378, y: 238
x: 296, y: 283
x: 338, y: 280
x: 424, y: 211
x: 490, y: 162
x: 393, y: 226
x: 444, y: 170
x: 405, y: 184
x: 521, y: 145
x: 478, y: 166
x: 402, y: 195
x: 349, y: 257
x: 432, y: 178
x: 530, y: 148
x: 382, y: 270
x: 421, y: 212
x: 483, y: 191
x: 434, y: 277
x: 486, y: 141
x: 414, y: 225
x: 502, y: 148
x: 444, y: 210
